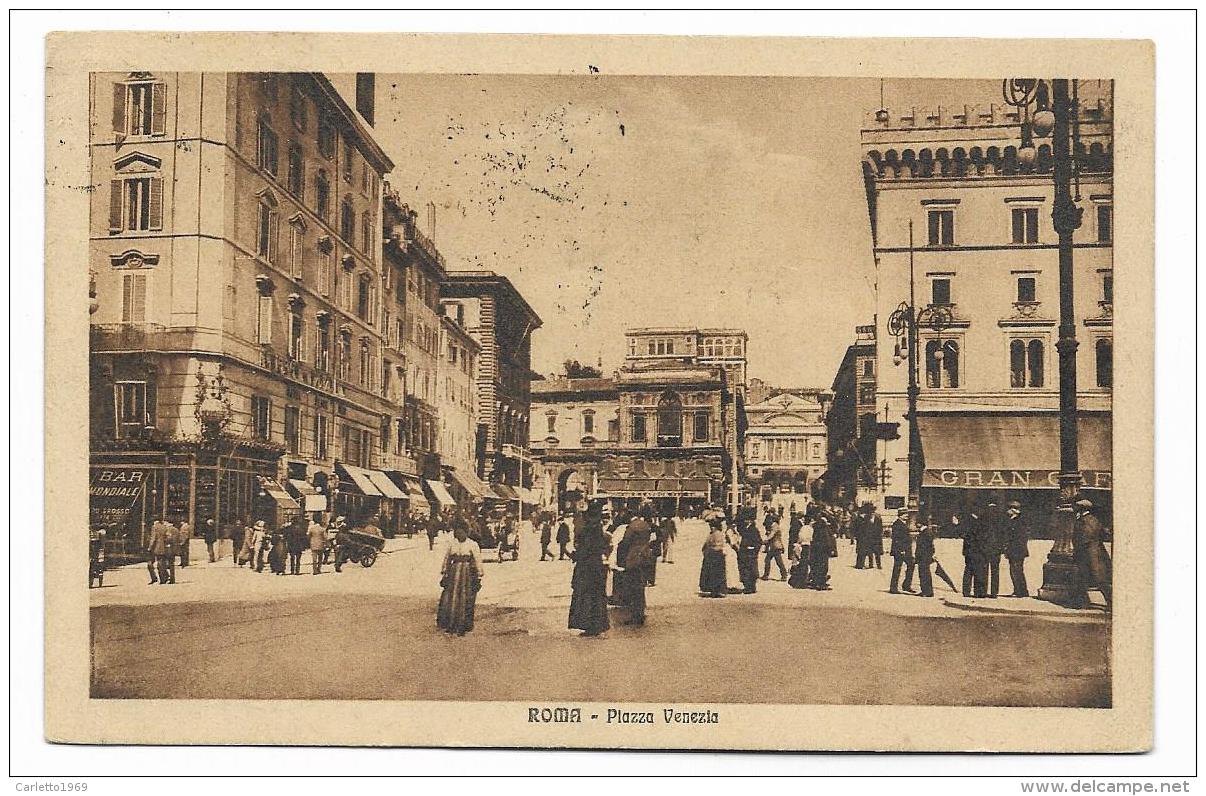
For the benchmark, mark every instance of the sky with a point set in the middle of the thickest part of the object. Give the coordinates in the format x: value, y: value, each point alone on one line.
x: 621, y: 201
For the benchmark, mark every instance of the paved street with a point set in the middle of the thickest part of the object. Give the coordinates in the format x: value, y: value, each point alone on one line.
x: 224, y: 632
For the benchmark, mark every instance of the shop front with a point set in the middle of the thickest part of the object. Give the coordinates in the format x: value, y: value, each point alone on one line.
x: 677, y: 496
x: 411, y: 487
x: 467, y: 488
x: 224, y: 481
x: 972, y: 458
x: 370, y: 496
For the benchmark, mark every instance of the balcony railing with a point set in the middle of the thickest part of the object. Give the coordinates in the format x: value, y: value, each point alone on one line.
x: 300, y: 372
x: 126, y: 336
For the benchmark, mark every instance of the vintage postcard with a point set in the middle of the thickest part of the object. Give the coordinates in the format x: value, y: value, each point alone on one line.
x: 601, y: 392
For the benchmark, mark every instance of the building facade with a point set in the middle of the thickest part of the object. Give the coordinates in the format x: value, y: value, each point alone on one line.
x: 984, y: 251
x: 575, y: 426
x: 458, y: 406
x: 236, y: 335
x: 856, y: 470
x: 498, y: 318
x: 786, y: 446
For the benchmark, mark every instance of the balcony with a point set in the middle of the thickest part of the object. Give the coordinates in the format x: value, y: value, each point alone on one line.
x: 127, y: 336
x: 426, y: 244
x: 300, y: 372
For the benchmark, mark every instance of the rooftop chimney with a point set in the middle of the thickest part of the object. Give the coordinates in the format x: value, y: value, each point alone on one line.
x: 431, y: 218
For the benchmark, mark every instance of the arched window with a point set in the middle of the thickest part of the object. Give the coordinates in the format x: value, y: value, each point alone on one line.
x: 941, y: 364
x: 669, y: 421
x: 1025, y: 363
x: 1105, y: 362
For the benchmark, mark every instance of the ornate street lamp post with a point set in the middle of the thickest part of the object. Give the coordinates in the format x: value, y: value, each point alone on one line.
x: 903, y: 324
x: 1059, y: 118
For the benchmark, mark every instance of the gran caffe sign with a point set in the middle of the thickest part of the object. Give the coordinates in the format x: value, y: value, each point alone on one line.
x: 1010, y: 479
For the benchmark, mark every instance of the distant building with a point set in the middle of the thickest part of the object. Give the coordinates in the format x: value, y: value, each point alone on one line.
x: 785, y: 445
x: 457, y: 397
x: 984, y: 251
x: 854, y: 471
x: 665, y: 428
x: 494, y: 313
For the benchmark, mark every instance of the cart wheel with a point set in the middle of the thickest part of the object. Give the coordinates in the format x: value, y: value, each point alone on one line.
x: 367, y: 559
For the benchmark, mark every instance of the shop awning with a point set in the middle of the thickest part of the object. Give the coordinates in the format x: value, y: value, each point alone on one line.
x: 360, y: 479
x: 505, y: 492
x: 413, y: 489
x: 278, y: 494
x: 1014, y: 451
x: 311, y: 499
x: 439, y: 492
x: 654, y: 487
x: 469, y: 482
x: 385, y: 486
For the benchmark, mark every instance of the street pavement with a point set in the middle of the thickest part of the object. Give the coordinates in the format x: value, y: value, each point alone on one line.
x: 369, y: 633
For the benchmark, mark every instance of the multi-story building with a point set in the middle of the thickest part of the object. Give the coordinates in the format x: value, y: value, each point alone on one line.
x: 983, y: 251
x: 785, y: 445
x: 575, y: 424
x: 664, y: 428
x: 494, y: 313
x: 458, y: 407
x: 414, y: 323
x: 237, y: 338
x: 856, y: 472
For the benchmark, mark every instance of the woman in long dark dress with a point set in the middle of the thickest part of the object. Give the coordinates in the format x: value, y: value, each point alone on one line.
x: 461, y: 579
x: 588, y: 603
x: 712, y: 580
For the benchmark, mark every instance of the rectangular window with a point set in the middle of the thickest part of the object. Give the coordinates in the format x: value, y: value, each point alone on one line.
x: 134, y: 298
x: 868, y: 367
x: 552, y: 421
x: 1104, y: 350
x: 265, y: 243
x: 326, y: 138
x: 296, y: 177
x: 702, y: 423
x: 139, y: 108
x: 940, y: 291
x: 1105, y: 223
x: 347, y: 165
x: 321, y: 436
x: 638, y: 428
x: 136, y: 204
x: 261, y: 417
x: 1025, y: 225
x: 297, y: 108
x: 588, y: 422
x: 1026, y: 290
x: 297, y: 252
x: 652, y: 347
x: 362, y: 297
x: 324, y: 272
x: 942, y: 227
x: 347, y: 223
x: 263, y: 323
x: 866, y: 394
x: 297, y: 337
x: 322, y: 349
x: 1107, y: 287
x: 267, y: 152
x: 613, y: 430
x: 135, y: 407
x: 293, y: 429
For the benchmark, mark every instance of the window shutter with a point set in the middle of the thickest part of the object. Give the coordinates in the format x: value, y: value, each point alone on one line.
x: 272, y: 232
x: 115, y: 197
x: 155, y: 203
x: 264, y: 332
x: 134, y: 298
x: 119, y: 109
x: 158, y: 108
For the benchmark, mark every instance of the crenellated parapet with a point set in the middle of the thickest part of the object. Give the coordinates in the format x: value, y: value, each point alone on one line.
x: 973, y: 141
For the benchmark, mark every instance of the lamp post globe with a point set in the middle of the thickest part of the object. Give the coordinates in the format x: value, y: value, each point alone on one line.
x: 1027, y: 155
x: 1042, y: 123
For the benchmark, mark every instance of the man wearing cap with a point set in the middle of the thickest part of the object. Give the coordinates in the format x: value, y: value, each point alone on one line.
x: 1016, y: 548
x: 901, y: 552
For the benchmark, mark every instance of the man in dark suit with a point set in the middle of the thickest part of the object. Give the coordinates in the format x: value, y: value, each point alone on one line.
x: 1017, y: 548
x: 563, y: 537
x: 994, y: 546
x: 546, y: 538
x: 902, y: 553
x: 923, y: 552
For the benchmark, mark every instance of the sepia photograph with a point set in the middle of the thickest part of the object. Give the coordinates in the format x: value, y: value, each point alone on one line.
x: 527, y: 406
x: 533, y: 371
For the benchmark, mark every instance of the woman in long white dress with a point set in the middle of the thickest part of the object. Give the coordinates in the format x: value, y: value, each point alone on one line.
x: 461, y: 579
x: 732, y: 575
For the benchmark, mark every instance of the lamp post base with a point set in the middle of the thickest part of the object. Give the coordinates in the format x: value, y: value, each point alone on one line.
x: 1061, y: 577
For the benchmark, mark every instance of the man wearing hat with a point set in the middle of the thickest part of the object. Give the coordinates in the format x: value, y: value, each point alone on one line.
x: 902, y: 552
x: 994, y: 546
x: 1089, y: 552
x: 1016, y: 548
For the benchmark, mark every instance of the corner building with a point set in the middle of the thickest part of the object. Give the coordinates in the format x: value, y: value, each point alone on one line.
x: 236, y: 336
x: 984, y: 249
